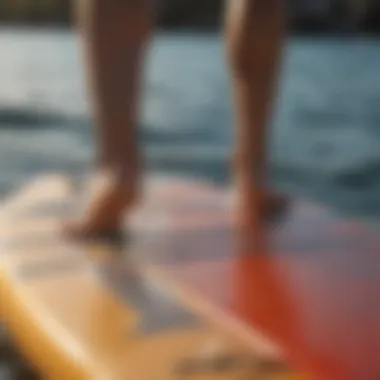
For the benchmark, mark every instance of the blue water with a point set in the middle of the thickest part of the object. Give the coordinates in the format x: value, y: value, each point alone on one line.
x: 326, y: 128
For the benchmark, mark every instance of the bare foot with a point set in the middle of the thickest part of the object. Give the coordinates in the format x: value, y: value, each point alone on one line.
x: 254, y: 210
x: 108, y: 199
x: 258, y: 204
x: 271, y: 204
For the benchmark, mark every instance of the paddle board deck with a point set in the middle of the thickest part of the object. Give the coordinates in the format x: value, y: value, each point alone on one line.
x: 92, y: 311
x: 311, y: 285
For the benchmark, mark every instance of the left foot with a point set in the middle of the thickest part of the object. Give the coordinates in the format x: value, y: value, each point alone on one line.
x: 109, y: 199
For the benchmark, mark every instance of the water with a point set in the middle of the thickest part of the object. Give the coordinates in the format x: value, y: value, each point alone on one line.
x: 326, y: 132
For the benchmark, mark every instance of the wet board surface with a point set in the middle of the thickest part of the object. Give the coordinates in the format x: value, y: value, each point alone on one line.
x: 97, y: 312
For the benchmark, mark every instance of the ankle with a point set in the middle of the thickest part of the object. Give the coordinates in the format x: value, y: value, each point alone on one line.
x: 119, y: 174
x: 251, y: 178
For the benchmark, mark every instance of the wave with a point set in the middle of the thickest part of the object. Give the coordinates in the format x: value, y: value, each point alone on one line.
x: 24, y: 117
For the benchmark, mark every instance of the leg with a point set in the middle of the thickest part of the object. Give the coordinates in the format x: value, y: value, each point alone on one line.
x: 254, y: 34
x: 114, y: 37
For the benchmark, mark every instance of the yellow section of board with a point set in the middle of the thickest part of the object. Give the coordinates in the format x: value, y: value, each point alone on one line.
x: 69, y: 325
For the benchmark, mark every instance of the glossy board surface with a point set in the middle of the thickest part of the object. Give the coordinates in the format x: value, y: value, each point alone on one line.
x: 90, y: 311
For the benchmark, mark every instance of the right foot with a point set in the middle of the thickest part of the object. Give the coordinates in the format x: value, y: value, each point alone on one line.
x: 260, y: 205
x: 109, y: 198
x: 255, y: 207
